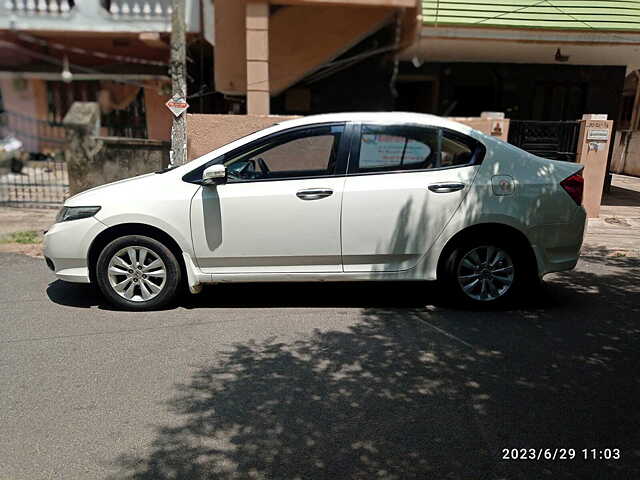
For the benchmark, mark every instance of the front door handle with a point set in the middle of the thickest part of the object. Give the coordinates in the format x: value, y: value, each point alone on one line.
x: 446, y: 187
x: 314, y: 193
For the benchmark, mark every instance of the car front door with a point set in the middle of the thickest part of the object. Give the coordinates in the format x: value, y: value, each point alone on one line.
x: 404, y: 183
x: 279, y: 210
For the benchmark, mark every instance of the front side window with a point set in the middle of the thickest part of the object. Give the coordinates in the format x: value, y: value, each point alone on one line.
x: 390, y: 148
x: 311, y: 152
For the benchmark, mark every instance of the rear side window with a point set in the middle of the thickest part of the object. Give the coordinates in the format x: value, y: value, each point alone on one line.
x: 389, y: 148
x: 456, y: 151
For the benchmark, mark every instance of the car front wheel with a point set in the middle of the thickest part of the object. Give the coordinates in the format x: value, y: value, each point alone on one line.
x: 138, y: 273
x: 484, y: 273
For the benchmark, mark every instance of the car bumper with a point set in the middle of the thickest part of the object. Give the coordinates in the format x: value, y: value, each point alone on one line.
x: 66, y: 248
x: 557, y: 246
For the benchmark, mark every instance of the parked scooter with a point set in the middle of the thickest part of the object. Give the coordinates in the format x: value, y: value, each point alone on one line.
x: 10, y: 153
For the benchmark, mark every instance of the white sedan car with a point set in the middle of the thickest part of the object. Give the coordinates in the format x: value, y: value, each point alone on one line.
x: 338, y: 197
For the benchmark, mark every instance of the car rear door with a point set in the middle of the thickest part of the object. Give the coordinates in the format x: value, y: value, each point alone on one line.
x: 404, y: 182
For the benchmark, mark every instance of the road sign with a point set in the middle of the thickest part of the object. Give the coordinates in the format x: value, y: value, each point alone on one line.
x: 177, y: 105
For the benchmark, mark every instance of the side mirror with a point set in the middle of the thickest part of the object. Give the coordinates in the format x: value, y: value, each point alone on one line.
x: 214, y: 175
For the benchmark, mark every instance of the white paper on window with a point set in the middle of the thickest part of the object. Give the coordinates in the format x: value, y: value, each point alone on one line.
x: 380, y: 151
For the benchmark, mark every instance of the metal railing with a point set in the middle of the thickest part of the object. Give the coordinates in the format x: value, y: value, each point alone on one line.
x: 553, y: 140
x: 97, y: 16
x: 42, y: 183
x: 138, y: 9
x: 40, y: 7
x: 36, y: 174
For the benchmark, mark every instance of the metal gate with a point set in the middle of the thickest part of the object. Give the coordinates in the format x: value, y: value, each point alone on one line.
x: 33, y: 174
x: 553, y: 140
x: 40, y: 183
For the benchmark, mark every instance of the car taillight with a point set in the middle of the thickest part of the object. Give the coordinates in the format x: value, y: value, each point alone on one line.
x: 574, y: 186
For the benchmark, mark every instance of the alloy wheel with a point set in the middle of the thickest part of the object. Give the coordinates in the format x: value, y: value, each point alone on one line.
x: 137, y: 273
x: 486, y: 273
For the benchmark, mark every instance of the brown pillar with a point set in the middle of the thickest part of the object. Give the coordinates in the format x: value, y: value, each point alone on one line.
x: 258, y: 99
x: 593, y: 149
x: 159, y: 118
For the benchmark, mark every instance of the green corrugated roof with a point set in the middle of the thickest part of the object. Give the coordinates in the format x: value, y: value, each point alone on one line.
x: 560, y: 14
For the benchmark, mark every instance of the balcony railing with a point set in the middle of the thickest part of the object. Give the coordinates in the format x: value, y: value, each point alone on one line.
x: 39, y: 7
x: 96, y: 15
x: 154, y: 9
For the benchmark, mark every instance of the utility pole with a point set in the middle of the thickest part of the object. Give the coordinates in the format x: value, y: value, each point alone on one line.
x: 178, y: 82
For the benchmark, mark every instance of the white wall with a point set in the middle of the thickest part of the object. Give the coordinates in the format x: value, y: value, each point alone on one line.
x: 626, y: 153
x: 448, y: 44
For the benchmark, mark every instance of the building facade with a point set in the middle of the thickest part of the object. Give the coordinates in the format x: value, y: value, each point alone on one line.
x: 550, y: 61
x: 287, y: 56
x: 115, y: 52
x: 533, y: 60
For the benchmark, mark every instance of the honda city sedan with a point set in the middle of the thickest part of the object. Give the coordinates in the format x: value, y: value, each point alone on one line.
x: 337, y: 197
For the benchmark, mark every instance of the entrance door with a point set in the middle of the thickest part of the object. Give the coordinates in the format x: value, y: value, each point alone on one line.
x: 279, y: 211
x: 403, y: 185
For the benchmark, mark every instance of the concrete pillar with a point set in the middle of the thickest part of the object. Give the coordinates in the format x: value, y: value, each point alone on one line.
x: 82, y: 125
x: 257, y: 29
x: 593, y: 150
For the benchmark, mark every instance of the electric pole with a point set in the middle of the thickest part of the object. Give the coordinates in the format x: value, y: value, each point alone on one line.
x: 178, y: 73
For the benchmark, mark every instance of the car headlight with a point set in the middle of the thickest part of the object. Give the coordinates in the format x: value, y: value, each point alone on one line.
x: 76, y: 213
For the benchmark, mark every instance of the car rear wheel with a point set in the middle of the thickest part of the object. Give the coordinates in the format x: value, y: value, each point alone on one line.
x: 484, y: 272
x: 138, y: 273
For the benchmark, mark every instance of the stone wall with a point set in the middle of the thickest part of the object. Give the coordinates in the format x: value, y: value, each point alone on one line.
x: 495, y: 127
x: 116, y: 158
x: 93, y: 160
x: 208, y: 132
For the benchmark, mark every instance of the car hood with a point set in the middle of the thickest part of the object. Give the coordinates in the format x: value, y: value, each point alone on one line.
x: 95, y: 196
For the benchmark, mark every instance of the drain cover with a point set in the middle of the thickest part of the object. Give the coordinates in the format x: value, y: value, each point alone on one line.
x: 617, y: 221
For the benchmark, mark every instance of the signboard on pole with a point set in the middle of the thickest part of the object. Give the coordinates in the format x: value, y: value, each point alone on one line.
x: 177, y: 105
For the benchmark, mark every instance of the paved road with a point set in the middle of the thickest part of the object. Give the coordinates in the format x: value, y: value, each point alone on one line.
x: 318, y: 381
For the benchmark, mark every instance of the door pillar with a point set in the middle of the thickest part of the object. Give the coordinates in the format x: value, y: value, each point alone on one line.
x: 257, y: 31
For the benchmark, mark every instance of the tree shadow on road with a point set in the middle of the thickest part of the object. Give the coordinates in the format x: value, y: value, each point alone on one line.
x: 420, y: 392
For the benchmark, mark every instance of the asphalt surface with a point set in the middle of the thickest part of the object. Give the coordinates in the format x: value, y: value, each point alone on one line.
x: 319, y: 381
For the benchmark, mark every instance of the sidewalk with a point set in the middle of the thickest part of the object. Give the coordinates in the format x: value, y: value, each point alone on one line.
x: 618, y: 228
x: 26, y: 219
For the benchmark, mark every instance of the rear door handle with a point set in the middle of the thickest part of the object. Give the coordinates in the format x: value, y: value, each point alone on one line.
x: 314, y: 193
x: 446, y: 187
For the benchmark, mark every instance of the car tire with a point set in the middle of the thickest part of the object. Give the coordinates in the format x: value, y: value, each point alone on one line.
x: 138, y: 273
x: 485, y: 272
